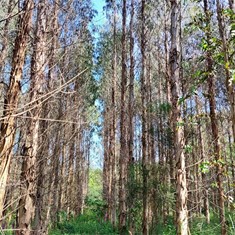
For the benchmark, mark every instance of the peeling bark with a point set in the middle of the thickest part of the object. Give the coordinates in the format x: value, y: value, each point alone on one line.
x: 11, y: 102
x: 178, y: 130
x: 26, y: 209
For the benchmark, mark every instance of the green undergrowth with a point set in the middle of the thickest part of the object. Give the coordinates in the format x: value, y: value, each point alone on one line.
x: 199, y: 226
x: 92, y: 223
x: 87, y: 224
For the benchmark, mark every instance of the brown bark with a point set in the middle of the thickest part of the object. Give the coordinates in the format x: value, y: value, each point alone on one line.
x: 231, y: 159
x: 169, y: 140
x: 178, y: 130
x: 214, y: 123
x: 41, y: 205
x: 229, y: 87
x: 106, y: 160
x: 82, y: 164
x: 203, y: 158
x: 5, y: 37
x: 61, y: 187
x: 55, y: 175
x: 11, y: 103
x: 28, y: 175
x: 123, y: 161
x: 80, y: 170
x: 145, y: 225
x: 131, y: 115
x: 71, y: 171
x: 114, y: 125
x: 54, y: 172
x: 217, y: 153
x: 131, y: 85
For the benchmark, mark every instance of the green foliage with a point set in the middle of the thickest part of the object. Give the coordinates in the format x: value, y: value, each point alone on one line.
x: 87, y: 224
x: 91, y: 222
x: 135, y: 188
x: 164, y: 108
x: 92, y: 114
x: 94, y: 200
x: 165, y: 229
x: 161, y: 108
x: 205, y: 167
x: 198, y: 226
x: 188, y: 148
x: 62, y: 216
x: 199, y: 77
x: 180, y: 124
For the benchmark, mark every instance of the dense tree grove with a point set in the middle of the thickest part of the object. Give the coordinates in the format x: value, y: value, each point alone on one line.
x: 150, y: 91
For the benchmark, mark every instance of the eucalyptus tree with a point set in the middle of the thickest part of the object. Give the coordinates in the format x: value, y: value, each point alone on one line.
x: 12, y: 96
x: 178, y: 132
x: 28, y: 174
x: 144, y: 119
x: 213, y: 119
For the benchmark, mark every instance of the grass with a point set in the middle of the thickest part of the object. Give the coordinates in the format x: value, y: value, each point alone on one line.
x: 92, y: 224
x: 86, y: 224
x: 199, y: 226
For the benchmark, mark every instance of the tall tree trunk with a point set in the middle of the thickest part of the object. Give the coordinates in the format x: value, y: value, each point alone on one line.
x: 229, y: 87
x: 131, y: 115
x: 214, y: 121
x: 41, y: 206
x: 71, y: 169
x: 114, y: 117
x: 106, y: 160
x: 131, y: 85
x: 123, y: 161
x: 55, y: 174
x: 178, y: 130
x: 169, y: 135
x: 11, y: 102
x: 144, y: 120
x: 28, y: 175
x: 5, y: 37
x: 203, y: 158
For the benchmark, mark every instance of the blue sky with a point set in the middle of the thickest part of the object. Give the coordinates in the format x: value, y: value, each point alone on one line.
x: 98, y: 6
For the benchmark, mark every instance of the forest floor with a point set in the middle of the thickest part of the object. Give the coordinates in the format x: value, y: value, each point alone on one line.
x: 92, y: 223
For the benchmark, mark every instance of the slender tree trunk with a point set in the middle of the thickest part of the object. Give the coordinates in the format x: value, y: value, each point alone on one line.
x: 178, y: 130
x: 28, y: 175
x: 55, y: 175
x: 114, y: 117
x: 144, y: 121
x: 106, y: 160
x: 11, y: 102
x: 131, y: 115
x: 39, y: 218
x: 214, y: 122
x: 217, y: 153
x: 123, y: 161
x: 169, y: 129
x: 229, y: 86
x: 71, y: 170
x: 5, y: 38
x: 131, y: 85
x: 79, y: 169
x: 203, y: 158
x: 231, y: 159
x: 61, y: 187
